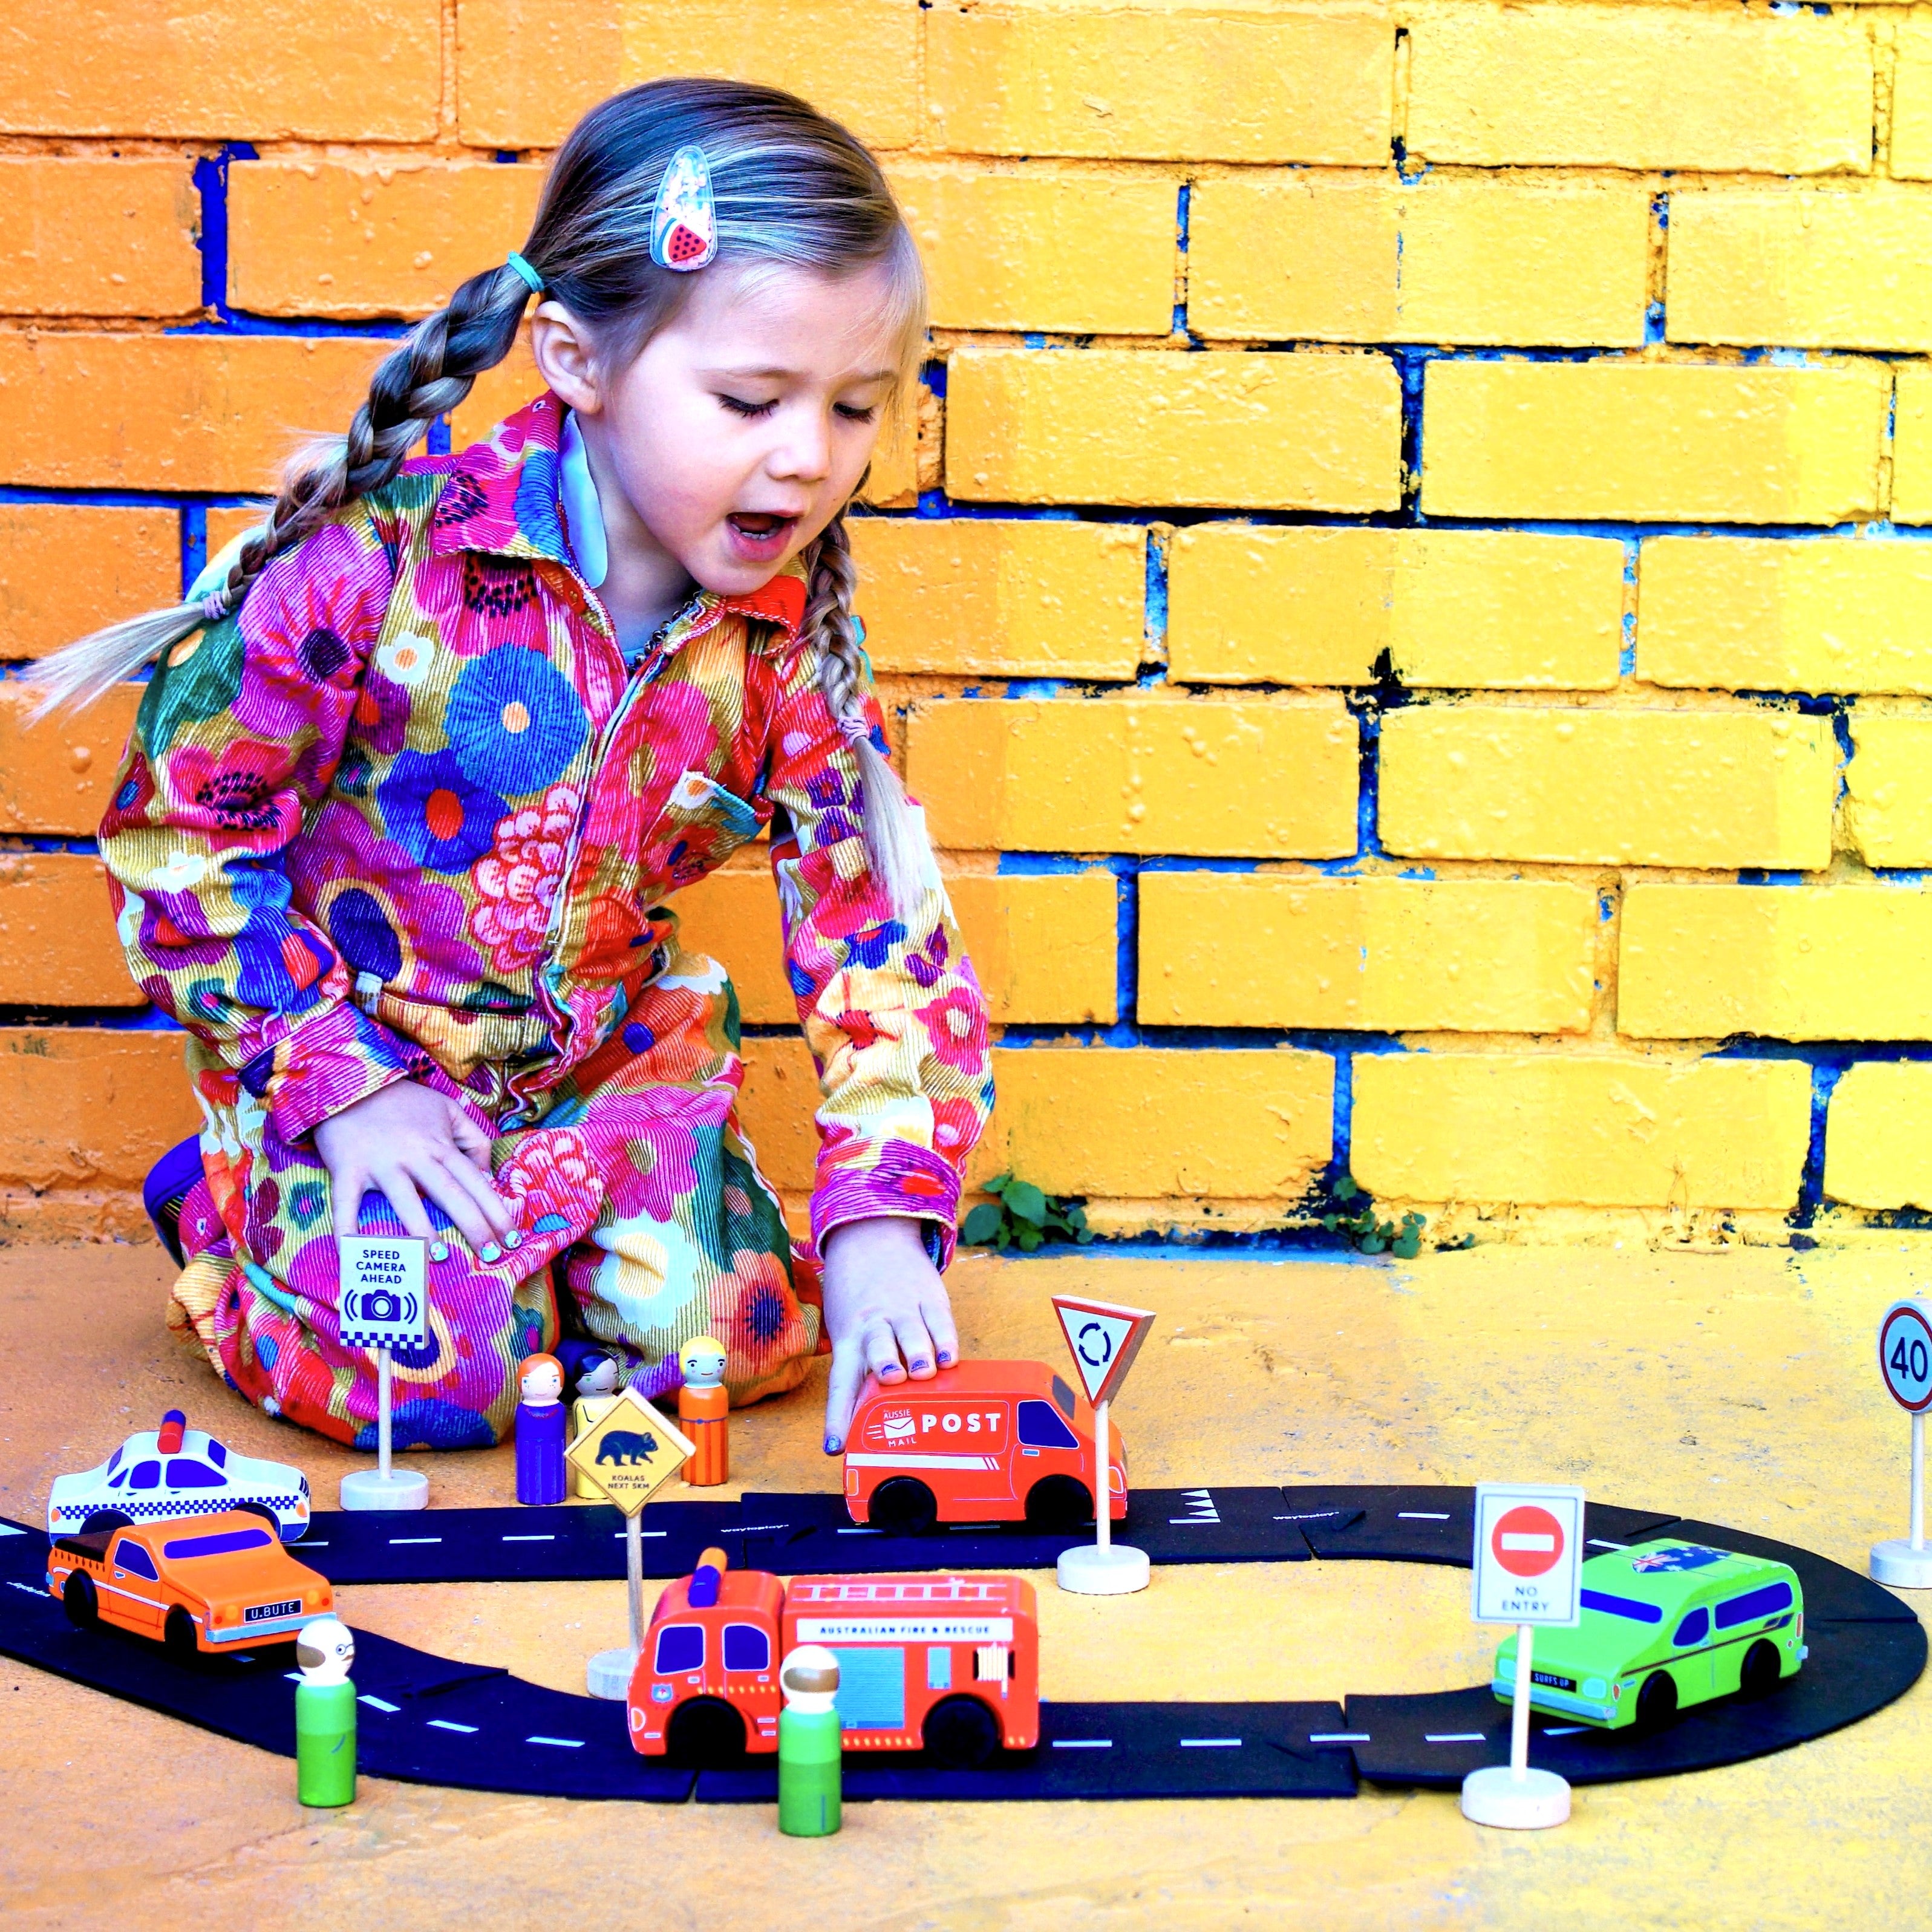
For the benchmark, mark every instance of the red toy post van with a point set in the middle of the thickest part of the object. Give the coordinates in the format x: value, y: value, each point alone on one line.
x: 950, y: 1665
x: 981, y: 1442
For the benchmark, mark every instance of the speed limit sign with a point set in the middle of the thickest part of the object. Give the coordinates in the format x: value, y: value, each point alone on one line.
x: 1905, y: 1355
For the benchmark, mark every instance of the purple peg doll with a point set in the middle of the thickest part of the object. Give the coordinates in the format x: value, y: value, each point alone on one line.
x: 540, y: 1430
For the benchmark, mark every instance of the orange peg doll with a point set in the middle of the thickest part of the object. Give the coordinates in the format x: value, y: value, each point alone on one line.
x: 703, y: 1409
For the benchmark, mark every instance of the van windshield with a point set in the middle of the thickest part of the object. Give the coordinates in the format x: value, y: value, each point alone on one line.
x: 1062, y: 1398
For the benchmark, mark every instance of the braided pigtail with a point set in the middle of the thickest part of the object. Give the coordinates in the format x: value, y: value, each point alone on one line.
x: 896, y: 841
x: 427, y: 377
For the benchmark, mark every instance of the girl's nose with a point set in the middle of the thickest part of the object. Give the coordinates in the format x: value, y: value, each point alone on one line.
x: 804, y: 450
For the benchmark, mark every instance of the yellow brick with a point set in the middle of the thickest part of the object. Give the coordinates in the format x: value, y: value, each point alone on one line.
x: 169, y: 412
x: 775, y: 1105
x: 66, y: 569
x: 298, y: 70
x: 1024, y: 599
x: 1764, y: 613
x: 1138, y: 774
x: 1042, y: 947
x: 1141, y: 1124
x: 99, y: 238
x: 1912, y: 447
x: 1468, y: 609
x: 1911, y: 157
x: 89, y: 1106
x: 1395, y: 955
x: 227, y: 521
x: 57, y: 942
x: 1173, y: 79
x: 496, y: 393
x: 893, y: 477
x: 1306, y: 257
x: 1269, y: 432
x: 57, y: 776
x: 1601, y: 1132
x: 526, y: 69
x: 856, y: 60
x: 1791, y: 962
x: 1717, y: 788
x: 1653, y: 442
x: 1822, y: 268
x: 313, y: 238
x: 1878, y: 1136
x: 1889, y: 811
x: 1043, y: 247
x: 1640, y: 87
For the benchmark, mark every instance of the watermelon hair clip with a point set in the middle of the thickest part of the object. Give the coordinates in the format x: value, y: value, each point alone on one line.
x: 684, y: 223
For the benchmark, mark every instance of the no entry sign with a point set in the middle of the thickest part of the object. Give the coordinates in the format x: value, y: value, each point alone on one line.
x: 1528, y: 1554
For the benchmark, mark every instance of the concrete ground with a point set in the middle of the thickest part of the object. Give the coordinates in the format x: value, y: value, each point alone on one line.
x: 1739, y: 1387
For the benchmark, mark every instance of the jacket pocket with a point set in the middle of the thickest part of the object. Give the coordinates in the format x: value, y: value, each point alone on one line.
x: 702, y: 823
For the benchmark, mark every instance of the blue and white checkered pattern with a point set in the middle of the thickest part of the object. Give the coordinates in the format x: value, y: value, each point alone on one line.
x: 162, y: 1507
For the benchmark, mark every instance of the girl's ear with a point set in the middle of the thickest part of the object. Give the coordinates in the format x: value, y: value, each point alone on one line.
x: 564, y: 357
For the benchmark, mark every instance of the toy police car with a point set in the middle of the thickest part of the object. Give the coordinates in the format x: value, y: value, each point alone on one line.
x: 175, y: 1472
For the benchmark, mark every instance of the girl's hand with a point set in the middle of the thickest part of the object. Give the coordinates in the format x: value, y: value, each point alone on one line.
x: 409, y: 1141
x: 886, y: 1312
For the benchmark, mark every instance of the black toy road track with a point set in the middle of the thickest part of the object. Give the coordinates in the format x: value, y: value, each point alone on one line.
x: 435, y: 1721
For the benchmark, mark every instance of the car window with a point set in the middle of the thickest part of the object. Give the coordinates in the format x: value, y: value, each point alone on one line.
x: 680, y: 1647
x: 114, y: 1482
x: 1622, y: 1606
x: 114, y: 1461
x: 136, y: 1561
x: 145, y: 1477
x: 221, y: 1543
x: 746, y: 1648
x: 217, y: 1454
x: 1040, y: 1428
x: 1764, y: 1602
x: 1694, y: 1629
x: 1062, y: 1398
x: 184, y: 1474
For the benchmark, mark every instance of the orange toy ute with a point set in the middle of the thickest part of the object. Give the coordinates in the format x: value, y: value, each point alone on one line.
x: 198, y: 1583
x: 946, y: 1664
x: 980, y: 1442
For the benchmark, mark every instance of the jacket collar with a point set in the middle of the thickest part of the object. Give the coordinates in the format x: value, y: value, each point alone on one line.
x: 501, y: 499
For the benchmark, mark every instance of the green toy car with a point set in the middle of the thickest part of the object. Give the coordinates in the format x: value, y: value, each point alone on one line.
x: 1665, y: 1625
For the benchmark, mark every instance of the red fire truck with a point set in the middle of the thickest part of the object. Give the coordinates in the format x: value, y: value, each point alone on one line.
x: 950, y: 1665
x: 981, y: 1442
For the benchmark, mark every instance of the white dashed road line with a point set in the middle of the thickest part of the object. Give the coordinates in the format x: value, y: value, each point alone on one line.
x: 567, y: 1743
x: 1338, y: 1737
x: 1454, y: 1738
x: 379, y: 1704
x: 1083, y: 1744
x: 1422, y: 1516
x: 444, y: 1724
x: 1210, y: 1744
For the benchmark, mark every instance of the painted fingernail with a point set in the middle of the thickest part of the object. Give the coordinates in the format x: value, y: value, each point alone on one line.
x: 439, y: 1251
x: 945, y: 1358
x: 832, y: 1445
x: 920, y: 1366
x: 490, y: 1251
x: 514, y: 1238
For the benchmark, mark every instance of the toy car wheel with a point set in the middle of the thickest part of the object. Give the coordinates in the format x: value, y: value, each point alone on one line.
x: 77, y: 1598
x: 1761, y: 1670
x: 704, y: 1734
x: 1657, y: 1702
x: 960, y: 1733
x: 262, y: 1511
x: 104, y: 1522
x: 178, y: 1634
x: 1059, y: 1502
x: 904, y: 1505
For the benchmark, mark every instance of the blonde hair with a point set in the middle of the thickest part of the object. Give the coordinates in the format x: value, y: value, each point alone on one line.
x: 791, y: 188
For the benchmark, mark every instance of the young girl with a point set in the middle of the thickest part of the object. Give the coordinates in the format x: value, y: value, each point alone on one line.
x: 410, y: 788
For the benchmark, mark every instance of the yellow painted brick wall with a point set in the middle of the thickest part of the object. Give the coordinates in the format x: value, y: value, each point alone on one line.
x: 1406, y: 590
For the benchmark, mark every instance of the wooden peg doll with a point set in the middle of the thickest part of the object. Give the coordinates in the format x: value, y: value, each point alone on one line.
x: 540, y: 1427
x: 703, y: 1408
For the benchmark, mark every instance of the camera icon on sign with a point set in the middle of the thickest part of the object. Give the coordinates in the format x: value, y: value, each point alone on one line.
x: 383, y: 1304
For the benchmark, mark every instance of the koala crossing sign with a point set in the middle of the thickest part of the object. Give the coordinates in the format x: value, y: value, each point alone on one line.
x: 630, y: 1452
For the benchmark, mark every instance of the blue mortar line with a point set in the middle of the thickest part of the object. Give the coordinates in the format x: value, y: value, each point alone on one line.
x: 193, y: 543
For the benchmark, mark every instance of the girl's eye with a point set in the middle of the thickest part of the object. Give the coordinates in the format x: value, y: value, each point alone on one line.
x: 740, y: 407
x: 852, y: 413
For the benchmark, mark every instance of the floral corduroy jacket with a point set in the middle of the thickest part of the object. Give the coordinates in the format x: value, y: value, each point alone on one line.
x: 410, y: 813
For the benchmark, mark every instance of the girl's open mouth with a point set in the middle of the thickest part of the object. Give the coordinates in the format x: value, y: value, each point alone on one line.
x: 759, y: 534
